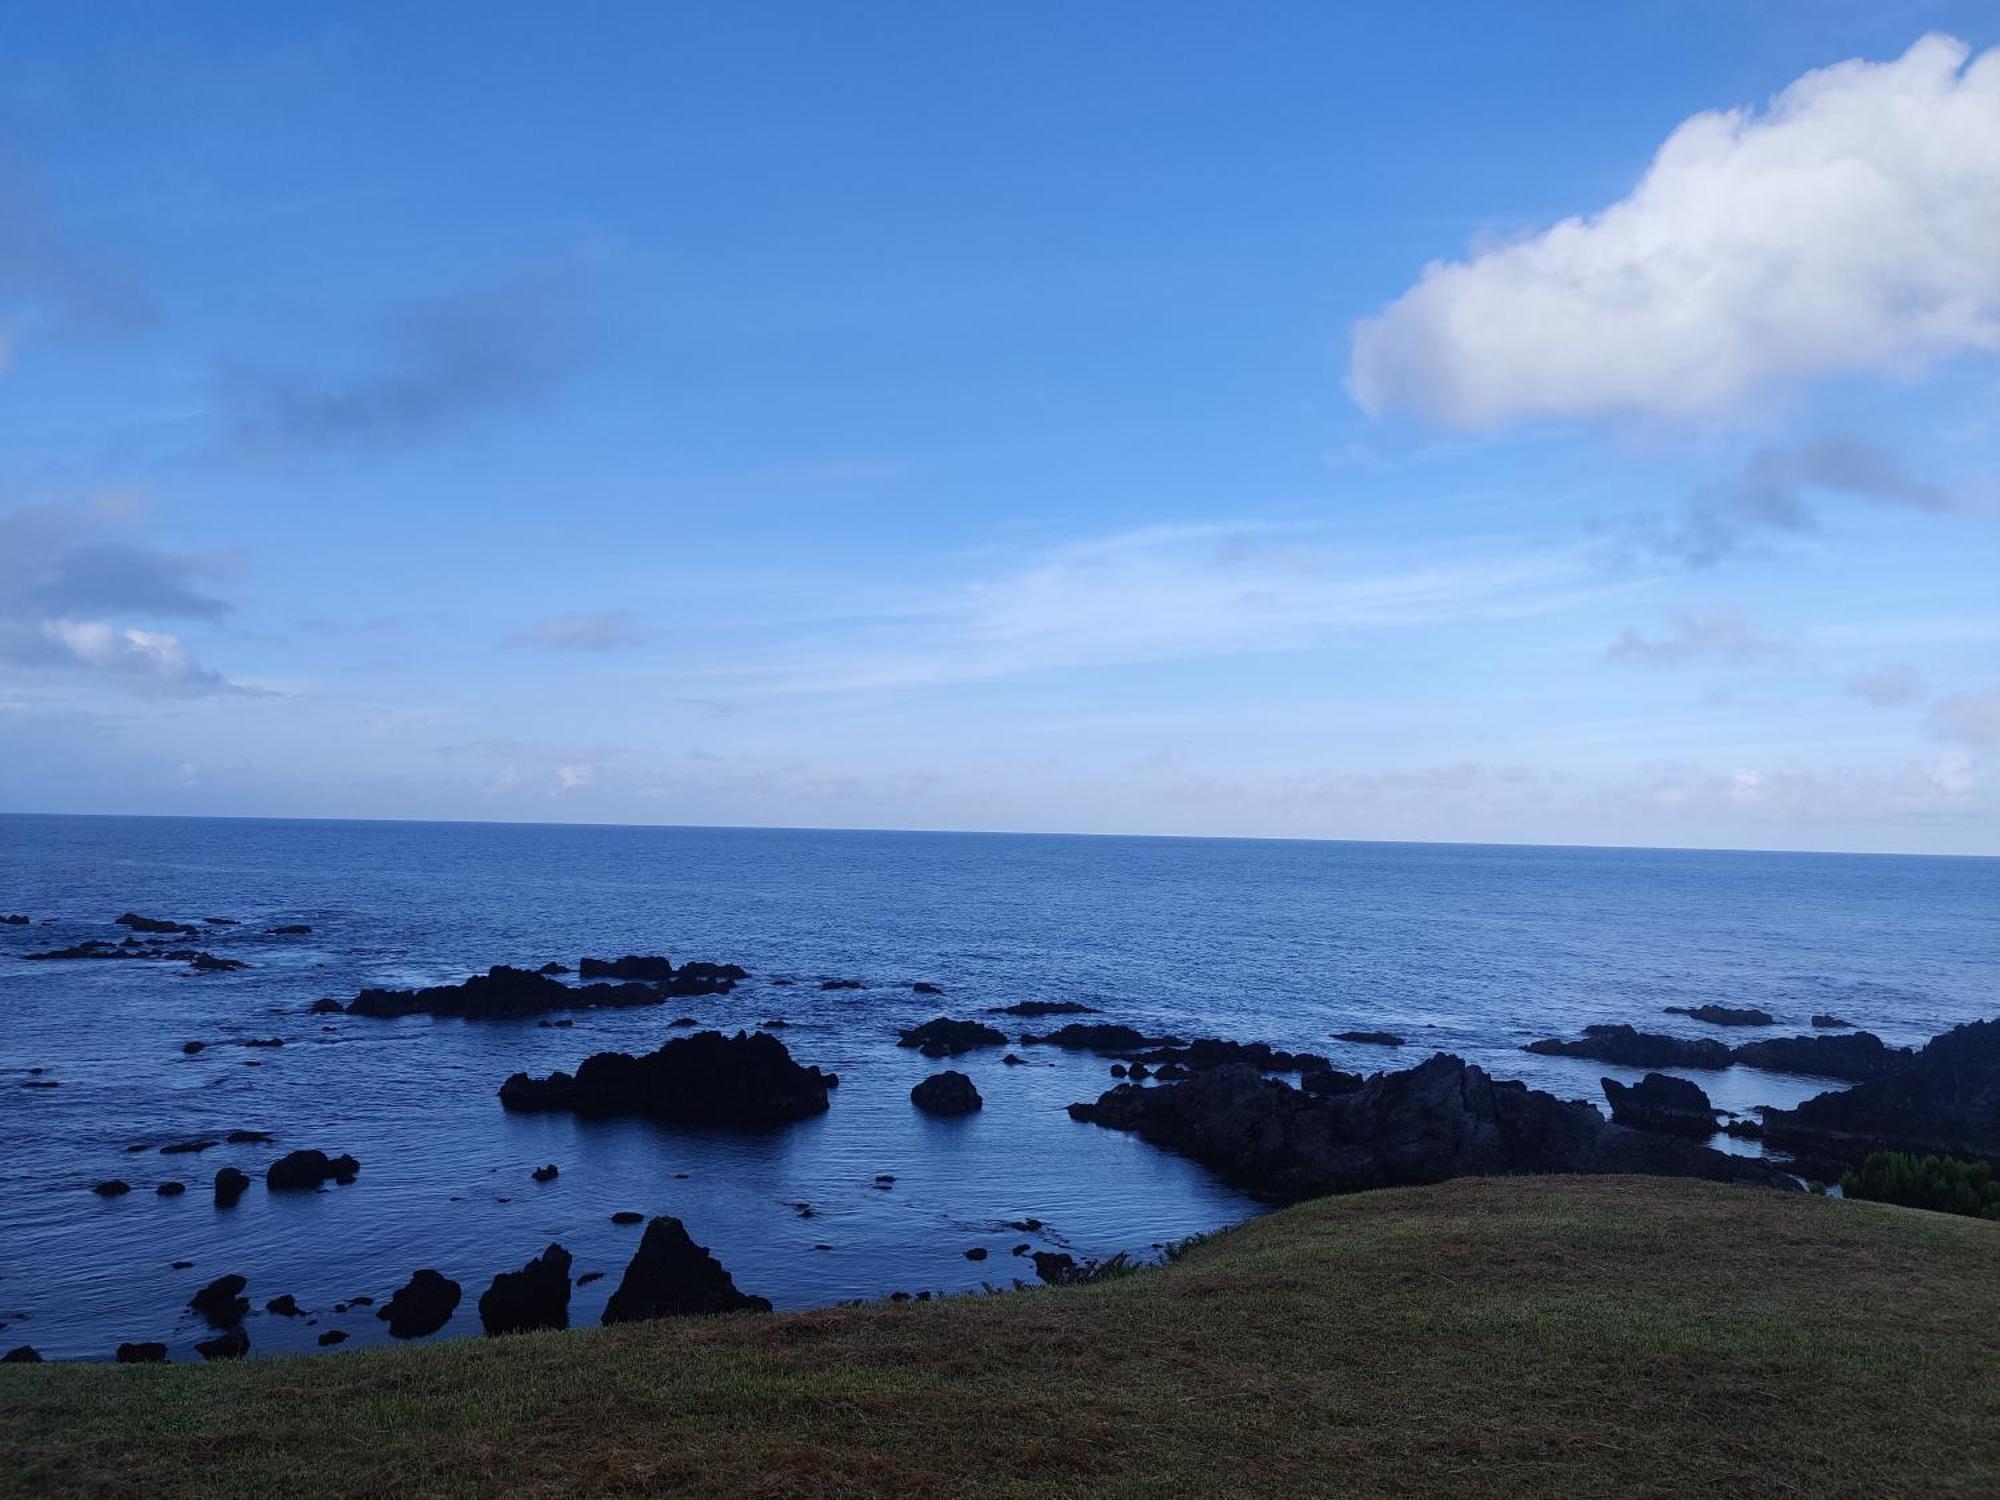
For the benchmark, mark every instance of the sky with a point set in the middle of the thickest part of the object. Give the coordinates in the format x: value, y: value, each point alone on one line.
x: 1574, y: 423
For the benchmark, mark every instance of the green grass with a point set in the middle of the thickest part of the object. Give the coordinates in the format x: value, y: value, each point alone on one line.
x: 1517, y: 1337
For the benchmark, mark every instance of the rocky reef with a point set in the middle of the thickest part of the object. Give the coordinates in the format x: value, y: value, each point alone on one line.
x: 745, y: 1081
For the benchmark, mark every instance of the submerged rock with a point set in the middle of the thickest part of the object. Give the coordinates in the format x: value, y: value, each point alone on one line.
x: 171, y: 1189
x: 1371, y: 1038
x: 112, y: 1188
x: 137, y: 923
x: 1830, y: 1023
x: 422, y: 1305
x: 289, y: 929
x: 305, y: 1170
x: 671, y: 1276
x: 141, y: 1354
x: 1724, y: 1015
x: 745, y: 1081
x: 499, y: 993
x: 1628, y: 1048
x: 1855, y: 1055
x: 944, y: 1037
x: 326, y: 1005
x: 1444, y: 1118
x: 536, y: 1296
x: 1661, y: 1102
x: 947, y: 1093
x: 1944, y: 1100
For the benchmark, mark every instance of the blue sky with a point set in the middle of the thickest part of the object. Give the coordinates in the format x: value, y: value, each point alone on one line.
x: 1570, y: 423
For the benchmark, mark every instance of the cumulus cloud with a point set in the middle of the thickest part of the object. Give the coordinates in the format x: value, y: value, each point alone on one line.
x: 1893, y: 686
x: 1968, y: 718
x: 1722, y: 634
x: 435, y: 366
x: 602, y: 630
x: 1772, y: 494
x: 65, y: 568
x: 1848, y: 227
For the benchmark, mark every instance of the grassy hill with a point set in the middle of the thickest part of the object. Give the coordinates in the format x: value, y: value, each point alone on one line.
x: 1519, y: 1337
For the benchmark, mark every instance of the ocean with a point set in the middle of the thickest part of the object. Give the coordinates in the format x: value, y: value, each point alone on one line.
x: 1462, y: 948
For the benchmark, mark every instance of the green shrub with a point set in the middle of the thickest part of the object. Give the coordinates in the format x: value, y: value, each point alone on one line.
x: 1943, y: 1183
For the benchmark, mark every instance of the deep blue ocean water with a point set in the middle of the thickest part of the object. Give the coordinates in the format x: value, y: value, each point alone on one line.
x: 1470, y: 949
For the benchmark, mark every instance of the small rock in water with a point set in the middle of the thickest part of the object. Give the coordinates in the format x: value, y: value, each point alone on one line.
x: 141, y: 1354
x: 304, y: 1170
x: 948, y: 1093
x: 589, y: 1276
x: 230, y: 1184
x: 247, y: 1137
x: 1054, y: 1267
x: 171, y: 1189
x: 222, y: 1302
x: 422, y: 1305
x: 534, y: 1297
x: 548, y: 1173
x: 190, y: 1048
x: 182, y: 1148
x: 671, y: 1276
x: 1371, y: 1038
x: 333, y: 1336
x: 627, y: 1216
x: 181, y: 1265
x: 977, y: 1252
x: 1831, y: 1023
x: 24, y: 1354
x: 1013, y: 1062
x: 112, y: 1189
x: 285, y: 1305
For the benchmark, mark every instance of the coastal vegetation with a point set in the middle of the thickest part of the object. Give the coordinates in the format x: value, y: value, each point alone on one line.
x: 1942, y: 1183
x: 1483, y: 1337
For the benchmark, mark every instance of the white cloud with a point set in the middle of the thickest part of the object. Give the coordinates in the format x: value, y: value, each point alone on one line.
x: 153, y: 655
x: 1851, y: 226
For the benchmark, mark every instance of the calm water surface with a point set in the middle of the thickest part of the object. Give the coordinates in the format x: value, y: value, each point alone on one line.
x: 1470, y: 949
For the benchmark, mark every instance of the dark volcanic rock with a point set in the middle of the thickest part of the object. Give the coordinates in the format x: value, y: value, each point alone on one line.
x: 840, y: 984
x: 1724, y: 1015
x: 332, y: 1336
x: 1013, y: 1061
x: 1637, y: 1049
x: 1856, y: 1055
x: 1045, y: 1008
x: 628, y: 1216
x: 925, y: 987
x: 13, y: 919
x: 977, y: 1252
x: 536, y: 1296
x: 290, y: 929
x: 744, y: 1081
x: 1831, y: 1023
x: 326, y: 1005
x: 502, y: 992
x: 191, y: 1048
x: 182, y: 1148
x: 21, y: 1354
x: 422, y: 1305
x: 230, y: 1184
x: 284, y: 1305
x: 1661, y: 1102
x: 222, y: 1301
x: 1945, y: 1100
x: 113, y: 1188
x: 138, y: 923
x: 1212, y: 1052
x: 631, y: 966
x: 947, y: 1093
x: 248, y: 1137
x: 944, y: 1037
x: 1441, y: 1119
x: 141, y: 1354
x: 671, y: 1276
x: 1373, y: 1038
x: 171, y: 1189
x: 304, y: 1170
x: 688, y: 979
x: 208, y: 963
x: 1081, y: 1036
x: 231, y: 1345
x: 1054, y: 1267
x: 548, y: 1173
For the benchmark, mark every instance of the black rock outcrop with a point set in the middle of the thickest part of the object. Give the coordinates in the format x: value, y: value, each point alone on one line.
x: 500, y: 993
x: 1945, y: 1100
x: 230, y: 1184
x: 663, y: 975
x: 1444, y: 1118
x: 1724, y: 1015
x: 671, y: 1276
x: 947, y: 1093
x: 1081, y: 1036
x: 1371, y: 1038
x: 1044, y: 1008
x: 1830, y: 1023
x: 298, y: 1171
x: 743, y: 1081
x: 137, y: 923
x: 1854, y: 1055
x: 422, y: 1305
x: 536, y: 1296
x: 944, y: 1037
x: 1661, y: 1102
x: 233, y: 1344
x: 222, y: 1301
x: 1628, y: 1048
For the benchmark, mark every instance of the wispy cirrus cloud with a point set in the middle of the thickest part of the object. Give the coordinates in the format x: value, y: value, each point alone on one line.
x: 593, y: 630
x: 1170, y: 593
x: 1723, y: 634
